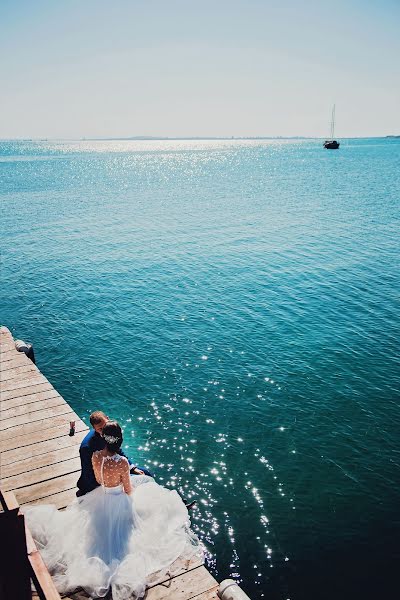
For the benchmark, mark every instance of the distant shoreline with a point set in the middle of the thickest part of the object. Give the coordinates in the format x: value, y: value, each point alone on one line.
x: 144, y: 138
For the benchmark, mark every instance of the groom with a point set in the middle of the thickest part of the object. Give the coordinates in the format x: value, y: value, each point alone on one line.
x: 91, y: 443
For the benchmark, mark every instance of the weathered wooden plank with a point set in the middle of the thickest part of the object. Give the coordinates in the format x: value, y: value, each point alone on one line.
x: 33, y: 426
x: 21, y: 395
x: 6, y: 349
x: 23, y: 382
x: 180, y: 566
x: 43, y: 489
x: 16, y: 372
x: 78, y: 595
x: 45, y: 416
x: 6, y: 345
x: 8, y: 500
x: 13, y: 349
x: 19, y: 441
x: 49, y: 444
x: 211, y: 594
x: 5, y: 336
x: 42, y: 460
x: 5, y: 331
x: 42, y: 474
x: 42, y: 577
x: 188, y: 585
x: 28, y: 409
x: 9, y: 355
x: 30, y: 542
x: 19, y: 361
x: 60, y: 499
x: 12, y: 359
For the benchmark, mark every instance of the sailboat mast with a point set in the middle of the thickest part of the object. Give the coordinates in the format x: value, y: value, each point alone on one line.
x: 333, y: 123
x: 331, y: 143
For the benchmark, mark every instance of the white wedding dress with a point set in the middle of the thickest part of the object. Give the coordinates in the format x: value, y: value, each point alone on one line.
x: 111, y: 539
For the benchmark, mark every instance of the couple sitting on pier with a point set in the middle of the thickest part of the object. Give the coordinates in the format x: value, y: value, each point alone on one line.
x: 93, y: 442
x: 122, y: 533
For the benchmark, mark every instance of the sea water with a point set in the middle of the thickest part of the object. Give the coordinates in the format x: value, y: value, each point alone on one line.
x: 233, y: 303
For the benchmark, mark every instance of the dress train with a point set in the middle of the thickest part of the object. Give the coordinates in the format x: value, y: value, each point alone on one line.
x: 108, y: 539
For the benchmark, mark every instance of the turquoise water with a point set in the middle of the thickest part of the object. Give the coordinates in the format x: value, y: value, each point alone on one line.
x: 234, y: 305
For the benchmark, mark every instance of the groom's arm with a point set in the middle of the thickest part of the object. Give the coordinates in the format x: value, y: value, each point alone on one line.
x: 87, y: 481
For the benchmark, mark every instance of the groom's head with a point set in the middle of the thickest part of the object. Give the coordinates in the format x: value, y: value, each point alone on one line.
x: 97, y: 420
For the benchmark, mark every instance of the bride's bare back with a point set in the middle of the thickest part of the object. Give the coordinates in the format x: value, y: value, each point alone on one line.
x: 111, y: 471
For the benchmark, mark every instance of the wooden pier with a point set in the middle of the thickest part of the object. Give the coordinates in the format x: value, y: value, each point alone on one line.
x: 39, y: 461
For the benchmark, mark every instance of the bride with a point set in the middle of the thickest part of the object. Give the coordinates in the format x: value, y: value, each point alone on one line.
x: 121, y: 536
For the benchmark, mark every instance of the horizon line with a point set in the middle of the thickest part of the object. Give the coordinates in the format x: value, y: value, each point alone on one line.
x: 187, y: 138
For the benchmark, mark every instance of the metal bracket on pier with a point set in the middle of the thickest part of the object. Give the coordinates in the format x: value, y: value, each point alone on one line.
x: 229, y: 590
x: 27, y: 349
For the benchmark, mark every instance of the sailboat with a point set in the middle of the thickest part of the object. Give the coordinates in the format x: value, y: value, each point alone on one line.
x: 332, y: 144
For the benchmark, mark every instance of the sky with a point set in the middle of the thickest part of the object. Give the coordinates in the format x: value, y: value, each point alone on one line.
x: 181, y: 68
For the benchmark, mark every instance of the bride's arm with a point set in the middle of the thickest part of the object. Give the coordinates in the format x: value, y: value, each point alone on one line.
x: 95, y: 465
x: 125, y: 477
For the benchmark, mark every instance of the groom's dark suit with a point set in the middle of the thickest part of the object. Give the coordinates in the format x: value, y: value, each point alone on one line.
x: 91, y: 443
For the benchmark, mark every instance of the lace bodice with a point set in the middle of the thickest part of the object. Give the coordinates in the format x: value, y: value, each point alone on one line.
x: 111, y: 471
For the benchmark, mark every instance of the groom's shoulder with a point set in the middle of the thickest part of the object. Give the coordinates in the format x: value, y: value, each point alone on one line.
x: 87, y: 441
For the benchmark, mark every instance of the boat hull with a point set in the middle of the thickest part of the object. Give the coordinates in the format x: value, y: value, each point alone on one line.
x: 331, y: 144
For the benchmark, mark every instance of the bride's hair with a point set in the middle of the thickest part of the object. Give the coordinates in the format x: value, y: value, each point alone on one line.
x: 112, y: 435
